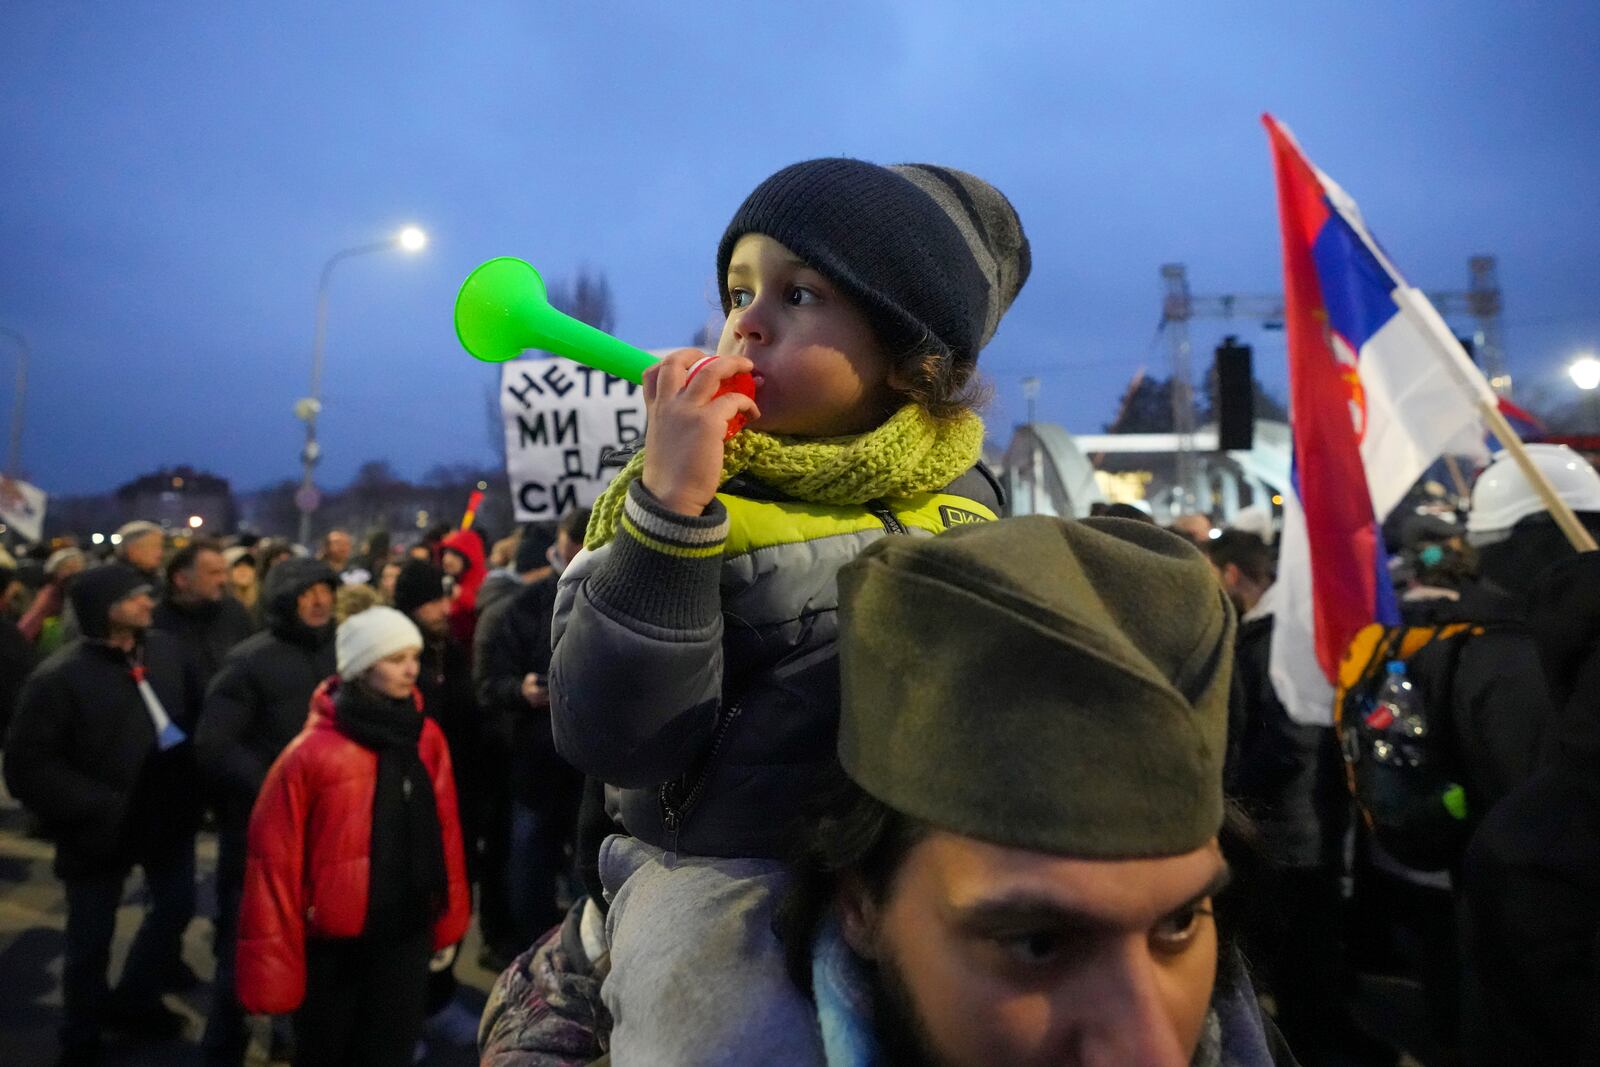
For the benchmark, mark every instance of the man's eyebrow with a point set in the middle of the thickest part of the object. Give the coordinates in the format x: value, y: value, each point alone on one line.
x: 1030, y: 910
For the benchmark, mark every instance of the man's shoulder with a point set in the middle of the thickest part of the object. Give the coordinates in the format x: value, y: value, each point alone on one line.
x: 249, y: 651
x: 67, y: 661
x: 537, y: 593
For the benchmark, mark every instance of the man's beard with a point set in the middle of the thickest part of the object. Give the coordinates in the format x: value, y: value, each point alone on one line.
x: 902, y: 1038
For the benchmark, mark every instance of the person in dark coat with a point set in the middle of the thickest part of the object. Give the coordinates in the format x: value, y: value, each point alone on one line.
x: 1530, y: 885
x: 99, y: 750
x: 255, y: 705
x: 196, y: 607
x: 1489, y: 691
x: 445, y: 684
x: 511, y: 667
x: 16, y: 652
x: 1289, y: 778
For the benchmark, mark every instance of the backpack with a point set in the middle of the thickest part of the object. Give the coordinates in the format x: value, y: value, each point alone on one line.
x: 1409, y: 795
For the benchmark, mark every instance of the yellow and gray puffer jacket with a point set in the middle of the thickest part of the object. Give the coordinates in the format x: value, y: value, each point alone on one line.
x: 695, y: 665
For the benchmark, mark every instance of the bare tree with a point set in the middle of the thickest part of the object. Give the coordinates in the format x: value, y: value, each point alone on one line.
x: 587, y: 298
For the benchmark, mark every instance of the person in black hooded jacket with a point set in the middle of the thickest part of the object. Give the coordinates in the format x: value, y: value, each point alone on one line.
x: 99, y: 750
x: 255, y: 706
x: 196, y: 607
x: 1531, y: 882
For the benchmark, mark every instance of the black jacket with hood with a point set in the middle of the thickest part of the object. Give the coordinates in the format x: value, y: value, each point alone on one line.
x: 1500, y: 711
x: 259, y: 700
x: 82, y: 752
x: 209, y: 628
x: 1531, y: 882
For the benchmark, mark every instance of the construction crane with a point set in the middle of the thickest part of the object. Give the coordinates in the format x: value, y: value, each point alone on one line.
x: 1480, y: 301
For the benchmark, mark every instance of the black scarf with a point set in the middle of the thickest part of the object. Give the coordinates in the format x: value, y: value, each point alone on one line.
x: 407, y: 886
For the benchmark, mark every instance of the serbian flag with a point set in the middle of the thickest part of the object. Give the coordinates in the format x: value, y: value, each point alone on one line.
x: 1378, y: 388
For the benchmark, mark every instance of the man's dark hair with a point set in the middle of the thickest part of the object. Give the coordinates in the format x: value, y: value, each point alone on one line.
x: 849, y: 833
x: 183, y: 560
x: 1244, y: 550
x: 574, y: 523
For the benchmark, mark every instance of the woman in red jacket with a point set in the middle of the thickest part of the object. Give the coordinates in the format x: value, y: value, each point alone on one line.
x: 461, y: 558
x: 355, y: 874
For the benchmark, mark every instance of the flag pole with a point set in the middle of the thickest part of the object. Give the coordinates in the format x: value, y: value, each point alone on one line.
x: 1416, y: 307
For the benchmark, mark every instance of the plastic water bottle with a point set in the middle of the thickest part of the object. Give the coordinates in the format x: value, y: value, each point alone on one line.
x: 1397, y: 719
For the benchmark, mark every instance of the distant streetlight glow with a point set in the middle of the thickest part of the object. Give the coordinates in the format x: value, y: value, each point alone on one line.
x: 116, y: 539
x: 195, y: 522
x: 411, y: 239
x: 98, y: 539
x: 1585, y: 372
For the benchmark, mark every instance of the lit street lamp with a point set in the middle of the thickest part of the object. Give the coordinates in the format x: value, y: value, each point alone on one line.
x: 14, y: 456
x: 410, y: 239
x: 1585, y: 372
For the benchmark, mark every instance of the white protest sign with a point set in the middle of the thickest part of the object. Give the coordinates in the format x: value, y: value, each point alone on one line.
x: 22, y: 508
x: 568, y: 431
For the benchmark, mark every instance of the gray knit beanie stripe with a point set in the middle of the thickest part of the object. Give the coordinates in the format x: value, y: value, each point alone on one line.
x: 926, y: 251
x: 988, y: 223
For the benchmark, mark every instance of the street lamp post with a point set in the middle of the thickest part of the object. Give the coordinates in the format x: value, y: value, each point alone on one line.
x: 410, y: 239
x: 14, y: 456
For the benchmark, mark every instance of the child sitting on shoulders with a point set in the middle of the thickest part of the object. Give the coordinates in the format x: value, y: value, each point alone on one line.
x: 695, y: 665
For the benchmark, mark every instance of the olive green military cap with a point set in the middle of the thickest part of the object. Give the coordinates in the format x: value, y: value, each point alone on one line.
x: 1047, y: 684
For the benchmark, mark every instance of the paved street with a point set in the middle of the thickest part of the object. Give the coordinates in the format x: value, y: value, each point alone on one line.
x: 33, y: 916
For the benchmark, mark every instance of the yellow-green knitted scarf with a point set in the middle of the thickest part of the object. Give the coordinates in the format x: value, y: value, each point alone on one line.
x: 910, y: 453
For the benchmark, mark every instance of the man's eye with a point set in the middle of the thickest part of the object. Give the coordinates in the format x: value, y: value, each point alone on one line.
x: 1033, y: 949
x: 739, y: 298
x: 1178, y: 930
x: 800, y: 295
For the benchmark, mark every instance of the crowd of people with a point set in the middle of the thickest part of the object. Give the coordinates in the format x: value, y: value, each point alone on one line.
x: 798, y: 750
x: 157, y: 685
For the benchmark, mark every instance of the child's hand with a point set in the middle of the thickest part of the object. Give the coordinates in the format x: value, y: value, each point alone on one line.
x: 686, y: 427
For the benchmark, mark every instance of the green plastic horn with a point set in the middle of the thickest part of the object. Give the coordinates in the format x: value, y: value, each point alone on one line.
x: 502, y: 310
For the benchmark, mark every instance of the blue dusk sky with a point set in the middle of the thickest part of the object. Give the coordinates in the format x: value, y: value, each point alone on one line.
x: 175, y: 175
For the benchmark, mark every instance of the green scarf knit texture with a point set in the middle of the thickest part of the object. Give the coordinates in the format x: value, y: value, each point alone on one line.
x: 912, y: 452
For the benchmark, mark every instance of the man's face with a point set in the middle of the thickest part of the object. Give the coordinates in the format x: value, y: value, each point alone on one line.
x: 453, y: 563
x: 432, y: 618
x: 391, y: 572
x: 145, y: 552
x: 132, y: 612
x: 337, y: 548
x: 206, y: 580
x: 988, y: 954
x: 566, y: 547
x: 243, y: 575
x: 315, y: 606
x: 1196, y: 528
x: 1241, y: 592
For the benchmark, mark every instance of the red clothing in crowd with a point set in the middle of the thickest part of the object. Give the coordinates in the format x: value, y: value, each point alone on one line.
x: 310, y: 850
x: 464, y: 602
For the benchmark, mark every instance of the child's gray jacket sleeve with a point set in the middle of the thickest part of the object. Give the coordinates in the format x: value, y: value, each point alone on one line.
x: 636, y: 676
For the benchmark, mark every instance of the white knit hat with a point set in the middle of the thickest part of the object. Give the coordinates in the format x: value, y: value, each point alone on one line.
x: 367, y: 637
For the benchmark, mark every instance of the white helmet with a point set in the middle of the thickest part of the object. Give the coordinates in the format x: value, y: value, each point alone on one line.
x: 1502, y: 496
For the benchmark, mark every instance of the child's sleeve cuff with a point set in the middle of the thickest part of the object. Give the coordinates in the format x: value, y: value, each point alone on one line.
x: 664, y: 568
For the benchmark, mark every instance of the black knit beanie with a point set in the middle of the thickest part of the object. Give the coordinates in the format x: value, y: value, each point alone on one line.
x: 537, y: 537
x: 924, y: 250
x: 418, y: 583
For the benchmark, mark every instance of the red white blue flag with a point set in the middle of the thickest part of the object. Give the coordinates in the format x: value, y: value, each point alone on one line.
x: 1378, y: 388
